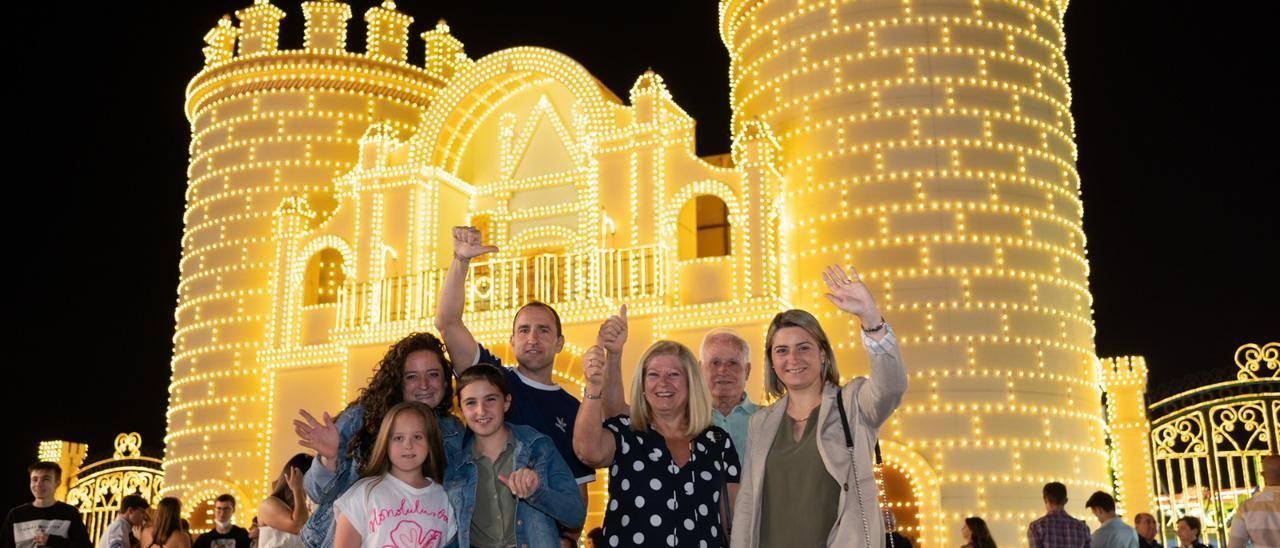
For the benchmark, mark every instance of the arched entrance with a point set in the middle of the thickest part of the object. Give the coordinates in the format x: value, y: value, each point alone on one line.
x: 909, y: 489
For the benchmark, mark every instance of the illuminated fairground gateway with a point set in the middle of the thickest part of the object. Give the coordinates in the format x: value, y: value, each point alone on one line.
x: 929, y: 143
x: 96, y: 489
x: 1208, y: 443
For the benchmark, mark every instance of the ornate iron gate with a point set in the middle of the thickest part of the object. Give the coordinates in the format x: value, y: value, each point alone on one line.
x: 97, y: 491
x: 1208, y: 443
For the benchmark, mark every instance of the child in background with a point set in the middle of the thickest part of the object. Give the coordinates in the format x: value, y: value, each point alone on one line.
x: 398, y: 501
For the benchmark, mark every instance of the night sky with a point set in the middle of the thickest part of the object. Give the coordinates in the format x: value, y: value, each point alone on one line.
x: 1174, y: 121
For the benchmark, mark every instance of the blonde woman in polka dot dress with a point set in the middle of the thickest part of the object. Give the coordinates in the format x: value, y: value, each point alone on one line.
x: 670, y: 469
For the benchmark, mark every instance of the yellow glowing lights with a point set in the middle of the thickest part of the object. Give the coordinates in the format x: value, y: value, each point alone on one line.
x: 322, y: 184
x: 944, y: 134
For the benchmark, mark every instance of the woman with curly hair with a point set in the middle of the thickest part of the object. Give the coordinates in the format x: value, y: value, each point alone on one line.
x: 413, y: 369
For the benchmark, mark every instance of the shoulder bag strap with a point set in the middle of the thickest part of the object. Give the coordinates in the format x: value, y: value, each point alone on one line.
x: 853, y: 466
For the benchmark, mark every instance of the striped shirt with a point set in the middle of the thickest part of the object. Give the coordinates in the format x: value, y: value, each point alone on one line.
x: 1257, y: 521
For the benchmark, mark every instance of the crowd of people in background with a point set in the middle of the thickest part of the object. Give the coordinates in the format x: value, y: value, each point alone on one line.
x: 691, y: 460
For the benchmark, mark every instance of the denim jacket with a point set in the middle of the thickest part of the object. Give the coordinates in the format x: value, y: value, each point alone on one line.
x: 557, y: 498
x: 324, y: 487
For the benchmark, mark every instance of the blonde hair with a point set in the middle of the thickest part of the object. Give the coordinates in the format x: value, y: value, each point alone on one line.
x: 379, y: 462
x: 804, y: 320
x: 697, y: 412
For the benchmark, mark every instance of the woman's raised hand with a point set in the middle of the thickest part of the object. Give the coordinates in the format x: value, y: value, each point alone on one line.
x: 848, y: 293
x: 321, y: 437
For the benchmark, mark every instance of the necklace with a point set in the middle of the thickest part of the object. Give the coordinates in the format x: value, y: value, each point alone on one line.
x: 806, y: 415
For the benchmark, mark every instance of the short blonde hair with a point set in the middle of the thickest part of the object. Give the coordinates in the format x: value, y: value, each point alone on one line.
x: 697, y: 411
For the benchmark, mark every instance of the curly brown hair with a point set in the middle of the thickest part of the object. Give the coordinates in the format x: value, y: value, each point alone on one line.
x: 386, y: 388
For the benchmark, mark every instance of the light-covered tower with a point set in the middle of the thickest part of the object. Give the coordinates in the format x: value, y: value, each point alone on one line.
x: 271, y: 130
x: 930, y: 143
x: 1125, y: 381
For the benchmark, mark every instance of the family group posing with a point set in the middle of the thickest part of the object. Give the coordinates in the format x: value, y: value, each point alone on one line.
x: 692, y: 461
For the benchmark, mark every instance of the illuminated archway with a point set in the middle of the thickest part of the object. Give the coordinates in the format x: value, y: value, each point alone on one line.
x: 911, y: 492
x: 703, y: 228
x: 323, y: 277
x: 474, y: 92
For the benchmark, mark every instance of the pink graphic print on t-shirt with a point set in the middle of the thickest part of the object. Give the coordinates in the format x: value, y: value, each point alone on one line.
x: 407, y: 532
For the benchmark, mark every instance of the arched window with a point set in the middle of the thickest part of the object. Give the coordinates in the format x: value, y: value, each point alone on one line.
x: 324, y: 277
x: 703, y: 229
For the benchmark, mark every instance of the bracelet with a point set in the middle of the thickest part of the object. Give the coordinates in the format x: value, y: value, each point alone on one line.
x: 883, y: 323
x: 585, y: 395
x: 460, y: 258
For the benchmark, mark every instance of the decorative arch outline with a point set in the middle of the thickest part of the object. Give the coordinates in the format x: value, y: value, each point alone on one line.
x: 452, y: 117
x: 924, y: 479
x: 299, y: 266
x: 563, y: 233
x: 693, y: 190
x: 209, y: 489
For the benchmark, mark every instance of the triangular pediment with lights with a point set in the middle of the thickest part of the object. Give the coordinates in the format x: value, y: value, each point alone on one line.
x: 543, y: 145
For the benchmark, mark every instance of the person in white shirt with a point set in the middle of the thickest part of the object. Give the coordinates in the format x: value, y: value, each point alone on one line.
x: 133, y: 513
x: 1114, y: 532
x: 398, y: 501
x: 283, y: 513
x: 1257, y: 520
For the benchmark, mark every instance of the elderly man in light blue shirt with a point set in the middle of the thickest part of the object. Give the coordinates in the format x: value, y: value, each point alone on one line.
x: 1114, y: 532
x: 726, y: 365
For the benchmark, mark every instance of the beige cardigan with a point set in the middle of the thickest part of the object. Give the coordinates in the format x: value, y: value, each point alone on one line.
x: 869, y: 403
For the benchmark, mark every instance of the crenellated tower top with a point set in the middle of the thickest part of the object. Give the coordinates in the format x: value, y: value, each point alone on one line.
x: 260, y: 27
x: 247, y: 56
x: 1124, y: 371
x: 220, y: 41
x: 326, y: 24
x: 326, y: 29
x: 444, y: 52
x: 388, y: 31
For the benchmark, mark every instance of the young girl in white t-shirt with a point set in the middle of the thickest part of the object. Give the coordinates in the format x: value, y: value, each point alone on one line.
x: 398, y: 501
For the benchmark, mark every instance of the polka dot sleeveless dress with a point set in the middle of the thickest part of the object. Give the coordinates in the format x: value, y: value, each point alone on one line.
x: 653, y: 502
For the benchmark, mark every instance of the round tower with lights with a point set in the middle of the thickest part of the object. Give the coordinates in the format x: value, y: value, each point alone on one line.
x: 271, y: 130
x: 930, y: 143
